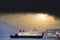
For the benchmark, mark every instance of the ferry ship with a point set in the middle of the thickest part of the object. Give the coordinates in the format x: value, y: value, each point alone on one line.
x: 23, y: 34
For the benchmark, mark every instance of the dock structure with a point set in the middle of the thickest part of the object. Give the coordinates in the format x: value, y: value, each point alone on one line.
x: 52, y: 33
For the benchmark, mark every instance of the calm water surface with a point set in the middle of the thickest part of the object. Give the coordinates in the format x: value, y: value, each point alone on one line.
x: 7, y: 38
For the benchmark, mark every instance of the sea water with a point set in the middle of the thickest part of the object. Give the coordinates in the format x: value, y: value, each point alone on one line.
x: 8, y: 38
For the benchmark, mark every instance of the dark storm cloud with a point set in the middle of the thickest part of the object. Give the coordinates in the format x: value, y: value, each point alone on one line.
x: 51, y: 6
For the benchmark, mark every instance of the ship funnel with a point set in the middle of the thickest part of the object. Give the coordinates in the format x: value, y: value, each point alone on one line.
x: 21, y: 30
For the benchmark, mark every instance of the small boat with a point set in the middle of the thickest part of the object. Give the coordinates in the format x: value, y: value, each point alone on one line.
x: 27, y: 35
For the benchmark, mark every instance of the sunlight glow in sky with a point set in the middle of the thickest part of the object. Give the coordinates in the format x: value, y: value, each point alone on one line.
x: 41, y: 17
x: 39, y: 21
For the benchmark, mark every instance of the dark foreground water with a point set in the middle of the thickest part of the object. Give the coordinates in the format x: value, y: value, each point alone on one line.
x: 7, y: 38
